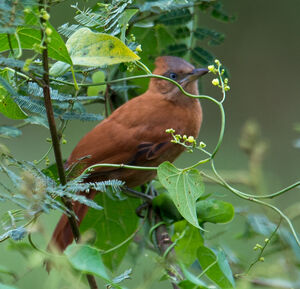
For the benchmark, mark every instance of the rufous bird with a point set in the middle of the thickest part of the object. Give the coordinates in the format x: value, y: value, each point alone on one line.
x: 135, y: 134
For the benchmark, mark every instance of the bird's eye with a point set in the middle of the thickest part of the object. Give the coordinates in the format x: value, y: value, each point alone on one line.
x: 173, y: 75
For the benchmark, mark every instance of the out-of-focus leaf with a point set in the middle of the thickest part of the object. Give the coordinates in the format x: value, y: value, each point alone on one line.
x: 214, y: 211
x: 9, y: 131
x: 176, y: 50
x: 3, y: 286
x: 220, y: 273
x: 211, y: 36
x: 97, y: 77
x: 88, y: 259
x: 187, y: 244
x: 113, y: 225
x: 175, y: 17
x: 202, y: 56
x: 182, y: 32
x: 185, y: 187
x: 124, y: 19
x: 191, y: 281
x: 38, y: 120
x: 30, y: 36
x: 88, y: 48
x: 7, y: 106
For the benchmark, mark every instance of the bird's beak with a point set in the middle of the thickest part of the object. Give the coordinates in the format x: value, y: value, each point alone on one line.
x: 195, y: 74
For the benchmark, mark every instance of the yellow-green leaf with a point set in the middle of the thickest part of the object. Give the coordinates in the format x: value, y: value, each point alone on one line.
x: 89, y: 48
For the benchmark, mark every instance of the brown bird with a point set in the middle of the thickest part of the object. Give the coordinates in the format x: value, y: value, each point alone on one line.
x: 135, y: 134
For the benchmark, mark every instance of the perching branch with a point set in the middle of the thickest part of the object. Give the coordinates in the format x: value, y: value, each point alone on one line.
x: 54, y: 135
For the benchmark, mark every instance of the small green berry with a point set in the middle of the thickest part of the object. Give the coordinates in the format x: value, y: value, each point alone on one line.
x: 48, y: 31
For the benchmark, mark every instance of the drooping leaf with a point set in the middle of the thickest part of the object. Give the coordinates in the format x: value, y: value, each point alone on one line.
x: 220, y: 273
x: 185, y: 187
x: 188, y: 241
x: 89, y: 48
x: 214, y: 211
x: 113, y: 226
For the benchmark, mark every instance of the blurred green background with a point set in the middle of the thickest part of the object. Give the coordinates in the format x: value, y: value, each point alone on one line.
x: 262, y: 53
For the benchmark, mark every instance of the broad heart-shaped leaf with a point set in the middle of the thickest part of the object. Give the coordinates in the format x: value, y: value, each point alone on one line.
x: 220, y: 273
x: 188, y: 244
x: 113, y: 225
x: 89, y: 48
x: 88, y: 260
x: 214, y: 211
x: 185, y: 188
x: 30, y: 36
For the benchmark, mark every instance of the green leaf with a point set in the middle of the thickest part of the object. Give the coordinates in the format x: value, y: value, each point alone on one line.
x: 9, y: 131
x: 214, y: 211
x: 202, y: 56
x: 88, y: 48
x: 124, y: 19
x: 3, y: 286
x: 213, y: 37
x: 29, y: 37
x: 59, y: 68
x: 182, y: 32
x: 97, y: 77
x: 220, y: 273
x: 86, y: 259
x: 7, y: 106
x: 175, y: 17
x: 186, y: 246
x: 191, y: 281
x: 113, y: 225
x: 176, y: 50
x: 185, y: 187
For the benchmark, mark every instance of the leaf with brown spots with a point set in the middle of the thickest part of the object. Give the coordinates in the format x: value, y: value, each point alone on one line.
x: 185, y: 188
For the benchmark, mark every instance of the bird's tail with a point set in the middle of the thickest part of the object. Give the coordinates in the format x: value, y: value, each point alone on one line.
x: 62, y: 235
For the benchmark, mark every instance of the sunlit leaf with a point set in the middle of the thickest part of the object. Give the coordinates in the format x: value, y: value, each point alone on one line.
x: 89, y: 48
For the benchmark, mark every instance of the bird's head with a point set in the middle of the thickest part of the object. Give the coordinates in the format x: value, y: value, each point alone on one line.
x: 178, y: 70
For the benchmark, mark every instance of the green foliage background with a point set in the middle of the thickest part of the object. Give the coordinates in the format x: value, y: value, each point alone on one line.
x: 262, y: 55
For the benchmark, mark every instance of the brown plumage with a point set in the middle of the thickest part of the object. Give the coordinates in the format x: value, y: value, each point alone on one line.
x: 135, y: 134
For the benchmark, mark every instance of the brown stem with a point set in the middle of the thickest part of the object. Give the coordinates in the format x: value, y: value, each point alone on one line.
x: 55, y: 140
x: 164, y: 242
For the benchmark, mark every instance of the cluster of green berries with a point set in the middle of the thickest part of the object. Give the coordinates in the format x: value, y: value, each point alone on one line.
x: 218, y: 71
